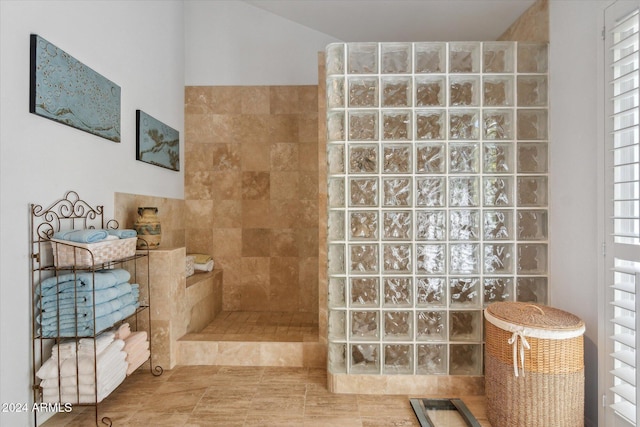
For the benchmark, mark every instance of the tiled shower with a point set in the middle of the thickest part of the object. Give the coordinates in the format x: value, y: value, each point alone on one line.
x: 437, y: 199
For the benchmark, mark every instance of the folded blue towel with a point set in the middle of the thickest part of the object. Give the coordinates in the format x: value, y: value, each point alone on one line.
x: 70, y: 312
x: 82, y: 236
x: 123, y: 234
x: 84, y: 281
x: 68, y: 298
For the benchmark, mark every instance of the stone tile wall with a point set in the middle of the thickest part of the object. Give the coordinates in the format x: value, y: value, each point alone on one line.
x: 251, y: 192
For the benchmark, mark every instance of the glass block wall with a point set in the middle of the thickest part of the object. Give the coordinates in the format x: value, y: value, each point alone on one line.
x: 437, y: 195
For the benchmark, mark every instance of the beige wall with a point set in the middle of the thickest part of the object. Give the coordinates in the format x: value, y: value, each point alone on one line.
x: 251, y: 192
x: 531, y: 26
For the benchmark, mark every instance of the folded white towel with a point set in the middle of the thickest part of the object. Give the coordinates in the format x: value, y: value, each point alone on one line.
x: 137, y: 361
x: 51, y: 394
x: 101, y: 342
x: 204, y: 267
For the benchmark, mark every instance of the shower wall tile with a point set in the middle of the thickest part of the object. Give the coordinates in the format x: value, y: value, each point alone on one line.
x: 253, y: 99
x: 253, y: 152
x: 255, y: 185
x: 255, y: 156
x: 283, y: 242
x: 256, y: 242
x: 284, y: 185
x: 224, y: 186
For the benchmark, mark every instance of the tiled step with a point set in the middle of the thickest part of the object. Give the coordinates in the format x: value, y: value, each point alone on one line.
x: 206, y: 349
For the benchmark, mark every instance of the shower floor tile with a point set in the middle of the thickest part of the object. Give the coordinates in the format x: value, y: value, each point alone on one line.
x: 261, y: 326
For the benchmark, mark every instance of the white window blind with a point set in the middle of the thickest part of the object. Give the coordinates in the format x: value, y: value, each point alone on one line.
x: 623, y: 259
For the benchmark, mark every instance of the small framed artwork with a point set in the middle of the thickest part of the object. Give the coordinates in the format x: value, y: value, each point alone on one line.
x: 157, y: 143
x: 65, y: 90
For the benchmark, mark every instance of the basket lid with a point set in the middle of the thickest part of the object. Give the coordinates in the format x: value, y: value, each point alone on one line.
x: 534, y: 316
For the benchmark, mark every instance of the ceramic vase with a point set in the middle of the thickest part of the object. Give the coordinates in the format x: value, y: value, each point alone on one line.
x: 148, y: 228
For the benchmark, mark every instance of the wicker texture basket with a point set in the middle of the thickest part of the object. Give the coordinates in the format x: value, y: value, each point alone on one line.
x: 534, y: 366
x: 67, y: 253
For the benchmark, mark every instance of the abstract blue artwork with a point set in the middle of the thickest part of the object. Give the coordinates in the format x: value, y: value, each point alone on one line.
x: 65, y: 90
x: 157, y: 143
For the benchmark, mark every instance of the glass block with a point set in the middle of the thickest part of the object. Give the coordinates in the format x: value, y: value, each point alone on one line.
x: 430, y: 57
x: 532, y: 157
x: 396, y: 91
x: 335, y: 92
x: 396, y: 125
x: 430, y: 158
x: 430, y: 225
x: 431, y: 325
x: 362, y: 58
x: 498, y: 57
x: 532, y: 191
x: 532, y: 124
x: 364, y: 324
x: 465, y: 359
x: 335, y: 159
x: 398, y: 325
x: 532, y: 258
x: 363, y: 191
x: 335, y: 259
x: 365, y: 359
x: 430, y: 91
x: 364, y: 258
x: 532, y: 91
x: 464, y: 57
x: 430, y: 124
x: 464, y: 158
x: 363, y: 126
x: 431, y: 292
x: 396, y: 58
x: 497, y: 289
x: 464, y: 124
x: 498, y: 158
x: 336, y: 225
x: 397, y: 225
x: 363, y: 92
x: 465, y: 325
x: 337, y: 325
x: 335, y: 192
x: 463, y: 191
x: 464, y: 292
x: 497, y: 191
x: 430, y: 259
x: 363, y: 159
x: 464, y: 258
x: 432, y: 359
x: 430, y: 191
x: 464, y: 224
x: 397, y: 191
x: 497, y: 91
x: 532, y: 289
x: 397, y: 158
x: 336, y: 292
x: 498, y: 258
x: 397, y: 291
x: 397, y: 258
x: 337, y: 357
x: 335, y: 127
x: 365, y: 292
x: 532, y: 57
x: 398, y: 359
x: 363, y: 225
x: 464, y: 91
x: 335, y: 59
x: 498, y: 225
x: 497, y: 124
x: 532, y: 225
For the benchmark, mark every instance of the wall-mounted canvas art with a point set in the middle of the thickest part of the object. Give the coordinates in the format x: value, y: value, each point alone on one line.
x: 157, y: 143
x: 65, y: 90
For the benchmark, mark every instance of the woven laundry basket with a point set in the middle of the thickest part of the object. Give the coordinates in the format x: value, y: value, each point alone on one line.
x: 534, y: 366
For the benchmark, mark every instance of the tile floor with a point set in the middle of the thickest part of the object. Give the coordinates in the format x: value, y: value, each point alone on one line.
x: 192, y: 396
x: 263, y: 326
